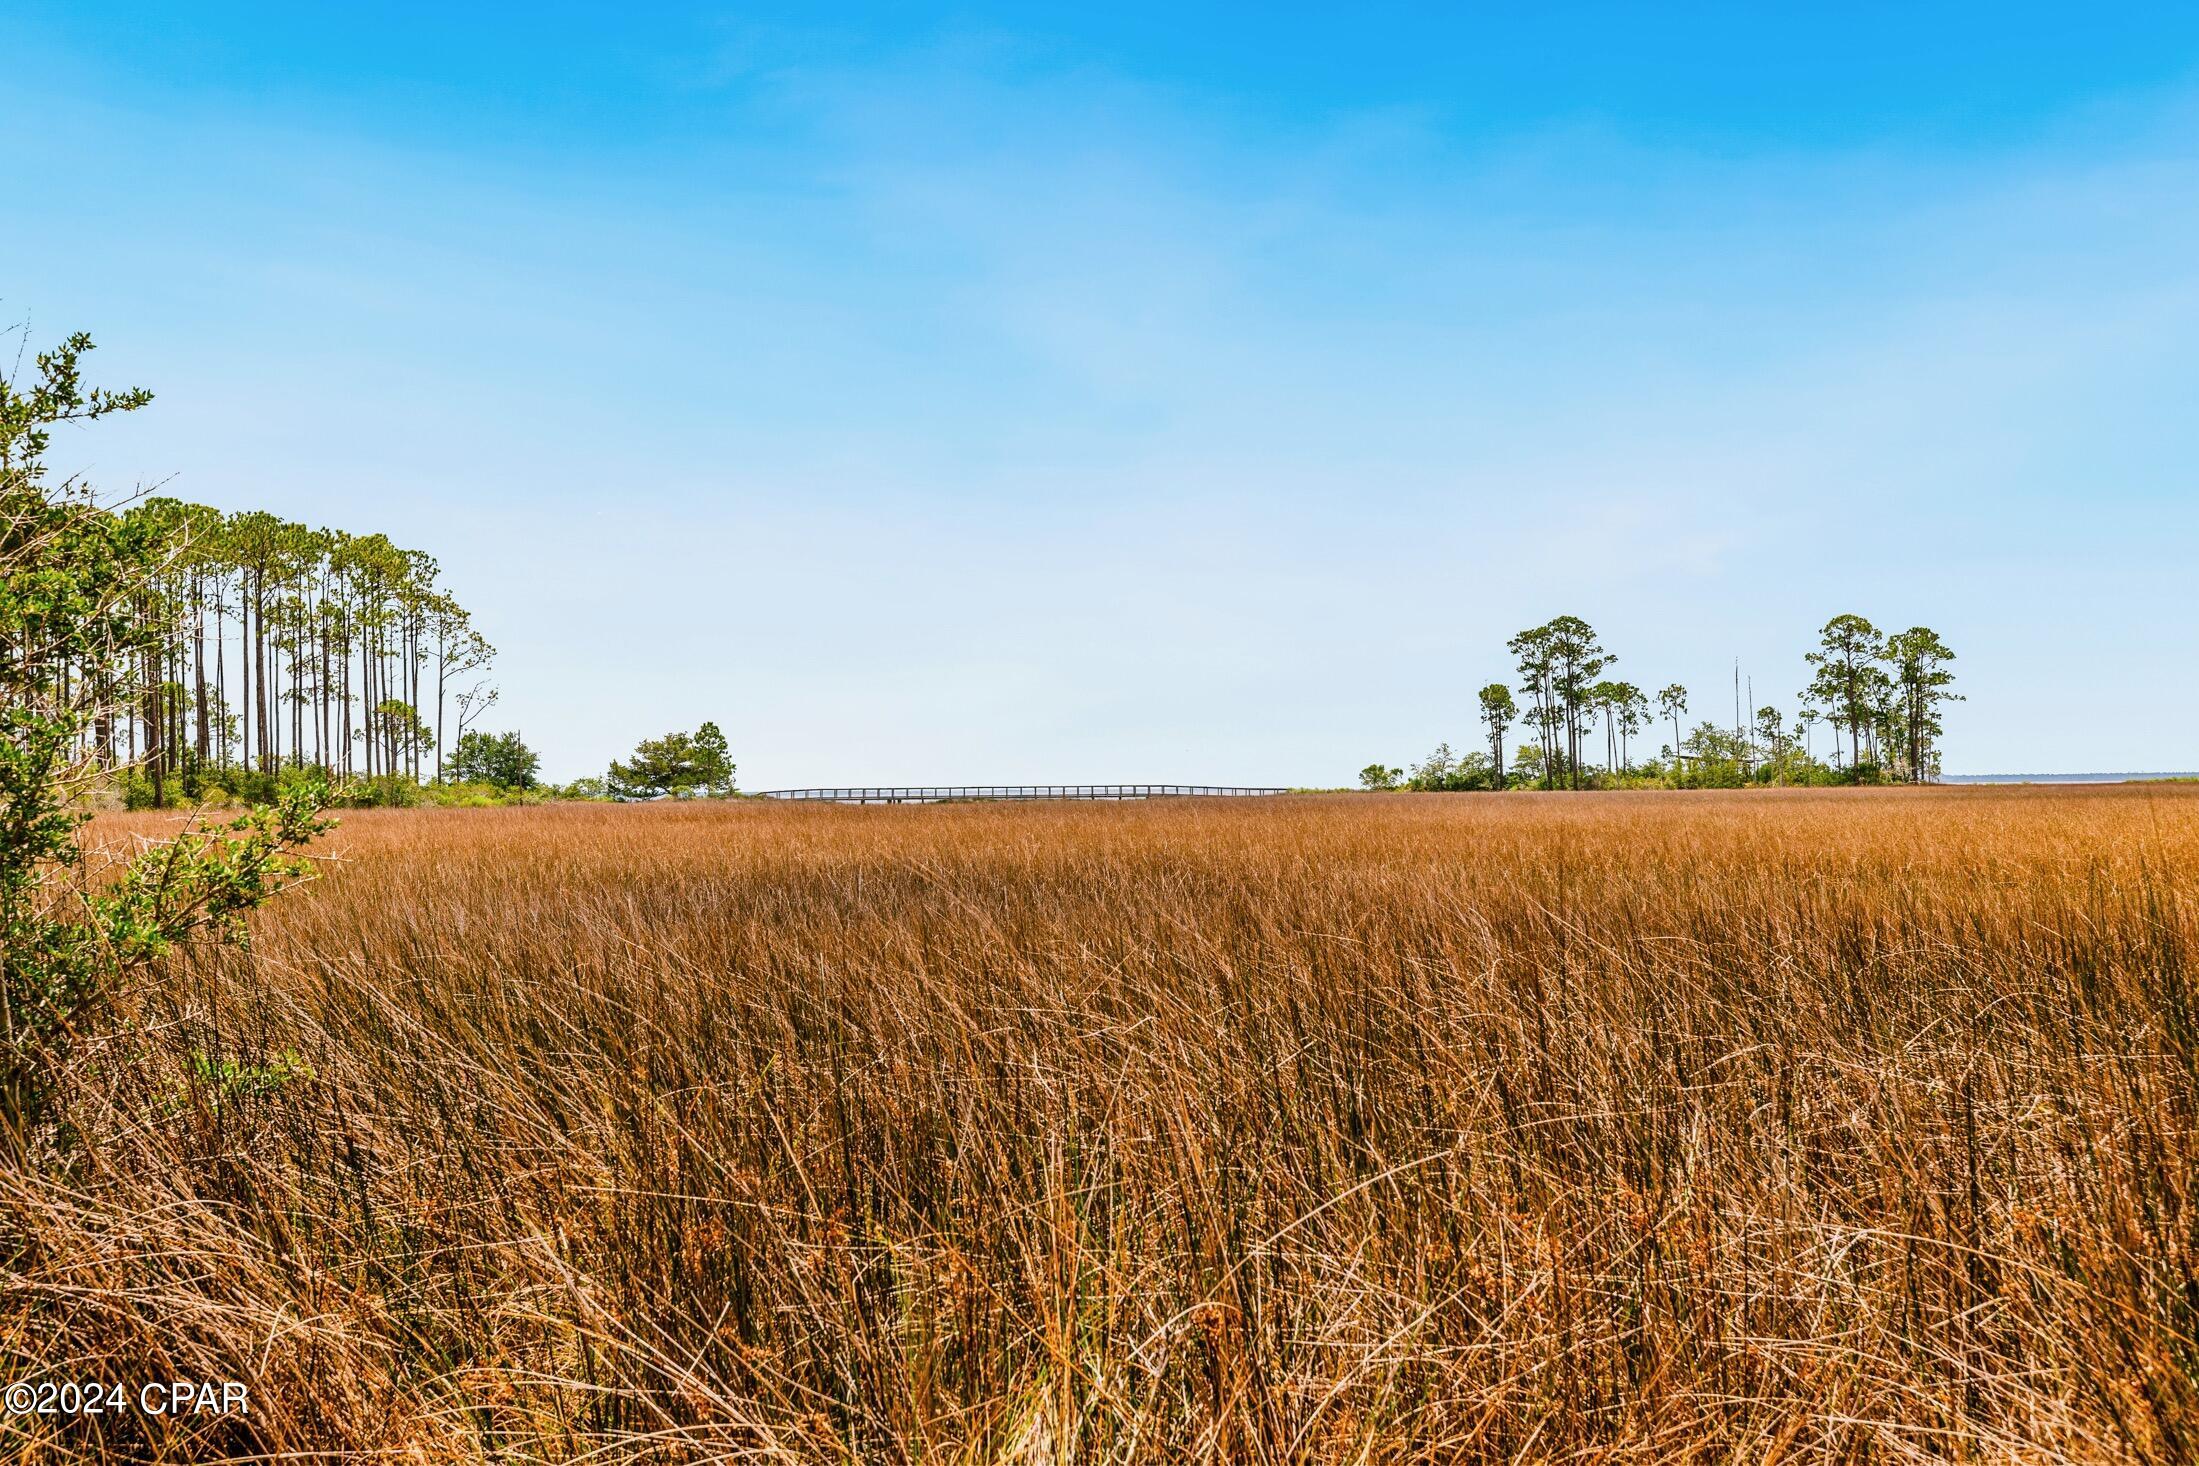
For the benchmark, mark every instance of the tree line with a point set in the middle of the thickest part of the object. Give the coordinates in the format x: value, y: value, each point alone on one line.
x: 260, y: 646
x: 262, y: 654
x: 193, y: 656
x: 1881, y: 695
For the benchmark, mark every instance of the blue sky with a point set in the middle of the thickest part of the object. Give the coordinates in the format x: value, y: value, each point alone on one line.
x: 1120, y: 393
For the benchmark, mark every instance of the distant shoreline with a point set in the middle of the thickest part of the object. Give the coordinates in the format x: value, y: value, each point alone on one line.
x: 2134, y: 778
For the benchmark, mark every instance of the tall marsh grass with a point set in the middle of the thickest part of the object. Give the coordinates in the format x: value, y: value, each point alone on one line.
x: 1843, y: 1125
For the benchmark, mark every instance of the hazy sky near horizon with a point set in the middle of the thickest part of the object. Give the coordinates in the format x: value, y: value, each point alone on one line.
x: 1071, y: 392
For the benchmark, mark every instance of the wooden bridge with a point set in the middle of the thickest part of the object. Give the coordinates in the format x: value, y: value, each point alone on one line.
x: 944, y: 793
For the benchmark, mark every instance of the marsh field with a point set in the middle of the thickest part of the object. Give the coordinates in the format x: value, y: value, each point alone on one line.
x: 1836, y: 1125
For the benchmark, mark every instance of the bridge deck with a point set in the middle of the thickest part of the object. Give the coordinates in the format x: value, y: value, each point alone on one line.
x: 942, y: 793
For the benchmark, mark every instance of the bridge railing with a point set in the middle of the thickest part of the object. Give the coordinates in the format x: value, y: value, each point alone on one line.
x: 944, y: 793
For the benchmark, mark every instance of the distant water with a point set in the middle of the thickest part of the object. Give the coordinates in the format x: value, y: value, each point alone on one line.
x: 2058, y: 778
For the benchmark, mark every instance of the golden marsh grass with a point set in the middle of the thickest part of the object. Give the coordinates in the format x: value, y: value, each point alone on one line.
x: 1841, y: 1125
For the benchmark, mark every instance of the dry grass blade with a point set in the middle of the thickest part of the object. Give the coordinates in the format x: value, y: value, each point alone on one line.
x: 1854, y: 1125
